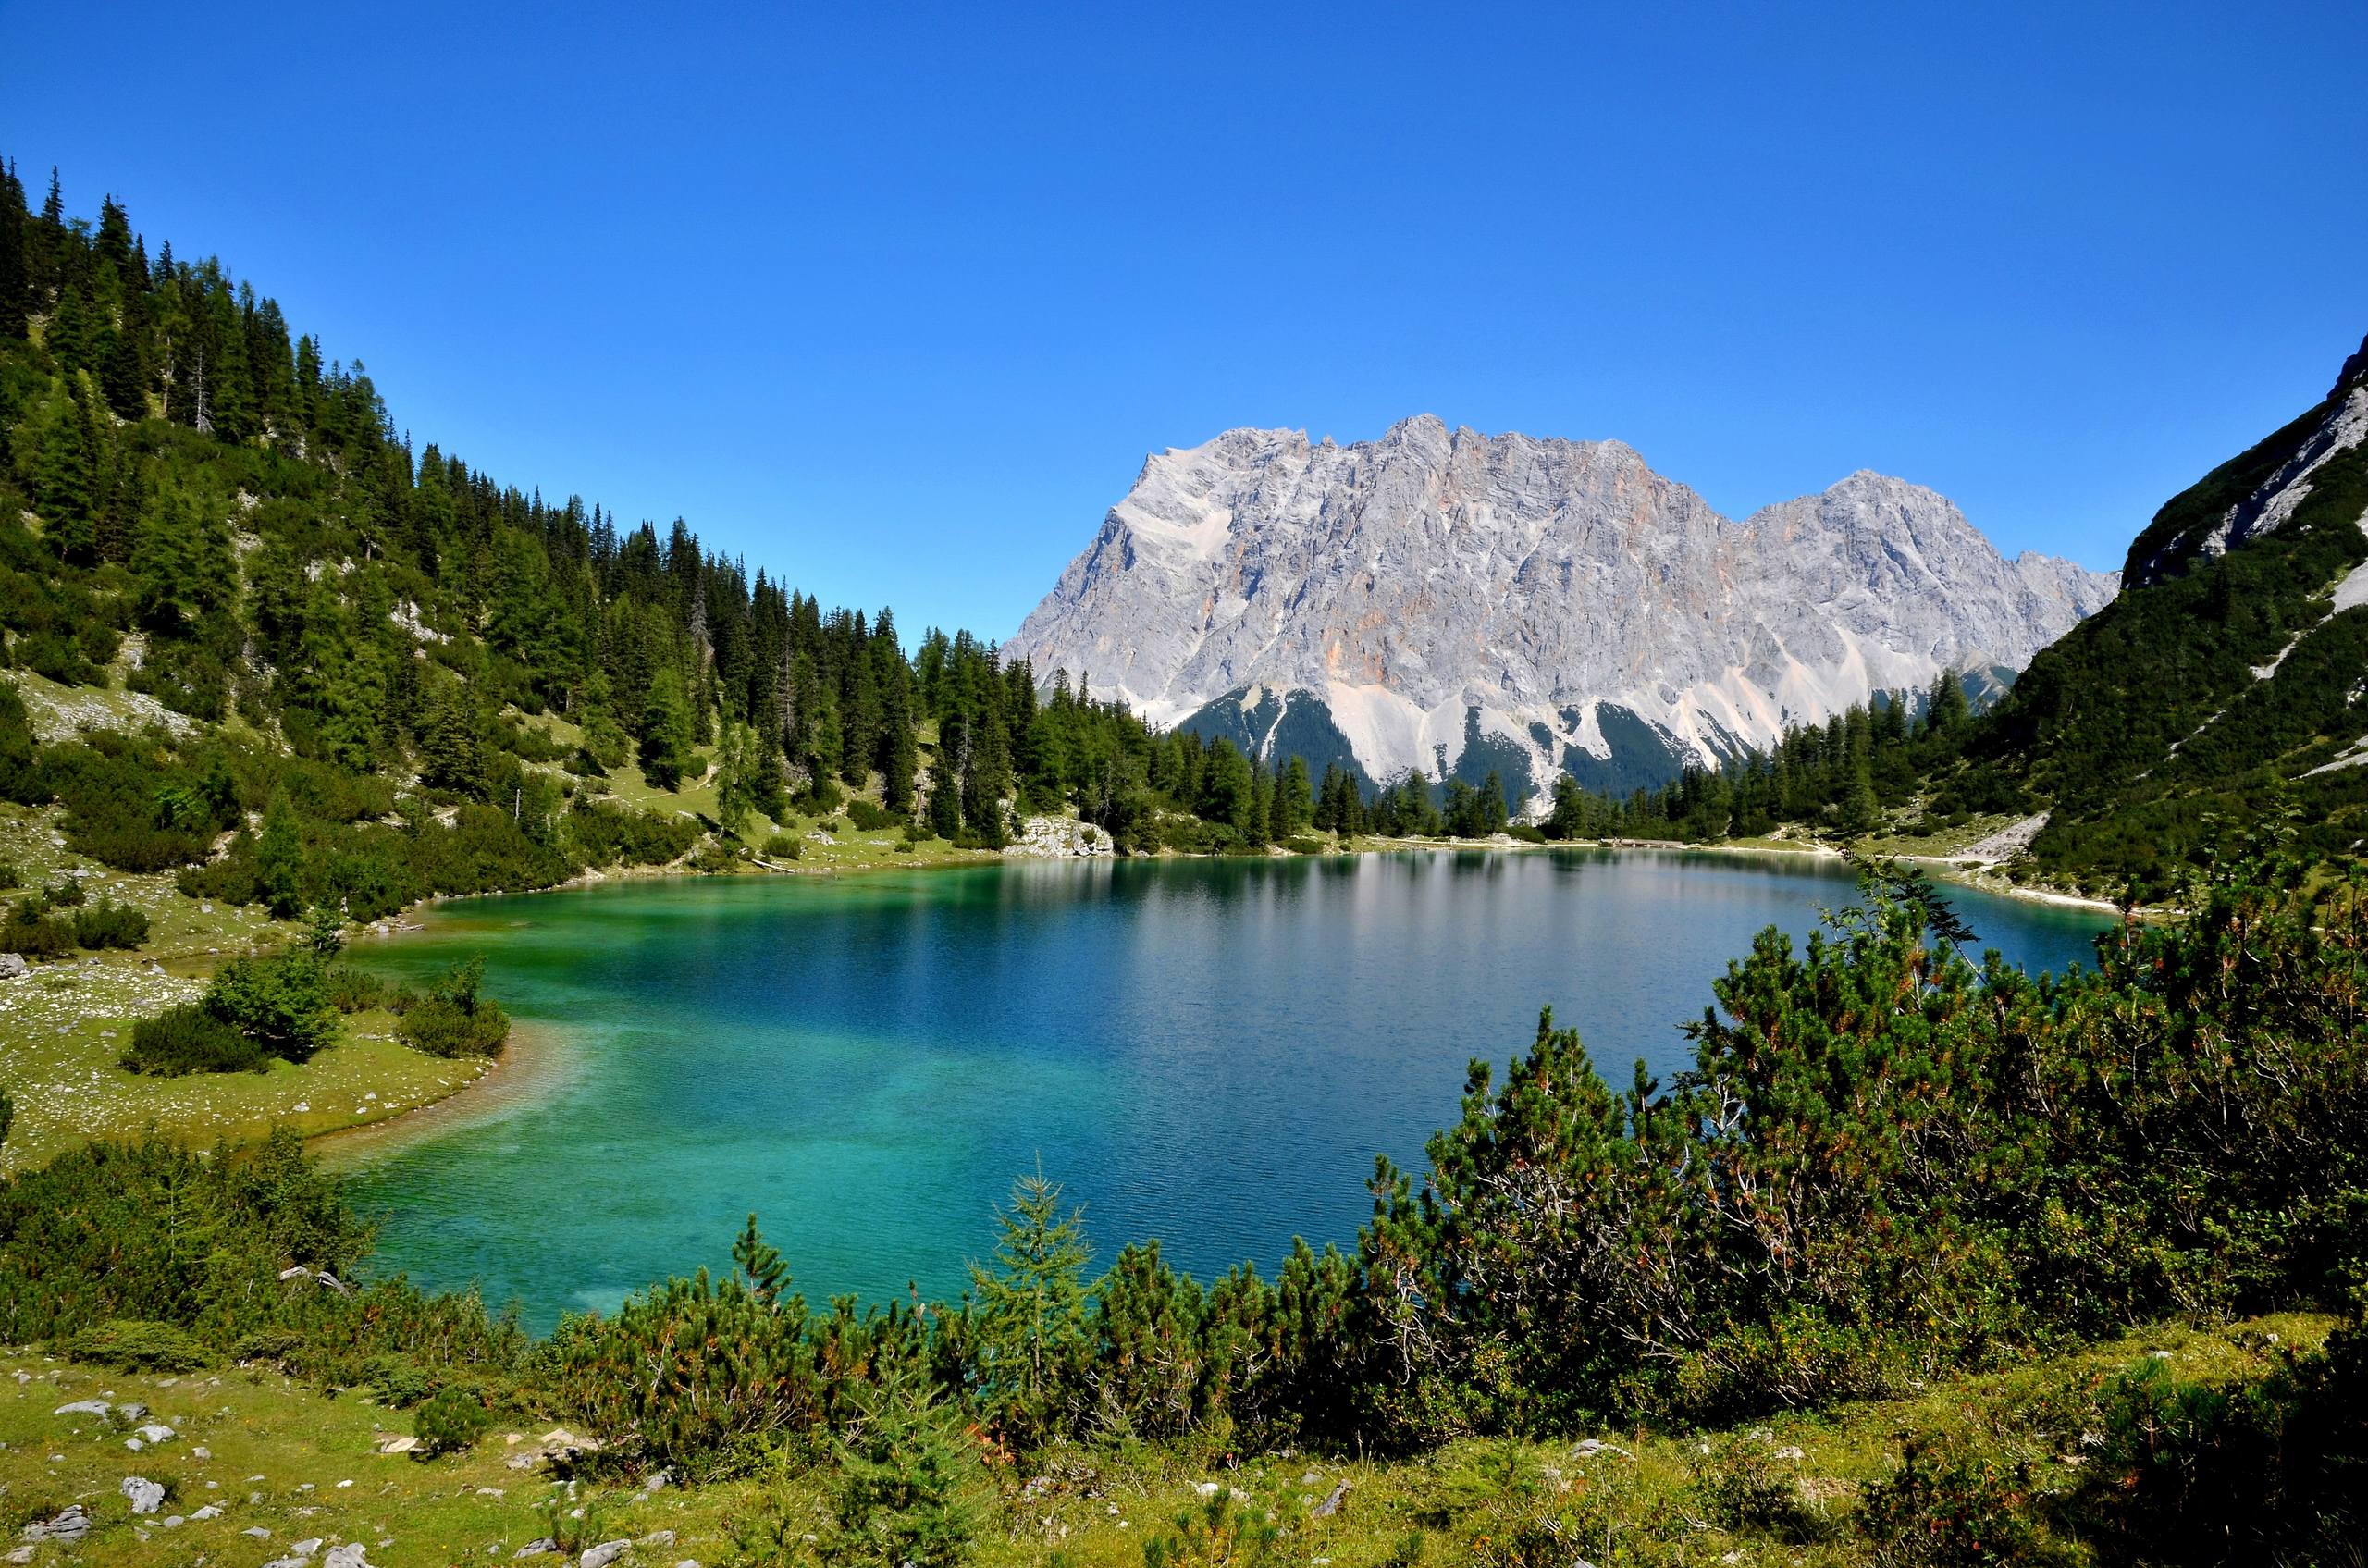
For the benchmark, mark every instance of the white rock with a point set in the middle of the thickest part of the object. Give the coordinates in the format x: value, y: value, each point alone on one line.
x: 602, y: 1555
x: 146, y: 1496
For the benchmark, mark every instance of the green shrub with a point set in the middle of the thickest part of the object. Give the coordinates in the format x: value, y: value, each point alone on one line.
x: 453, y: 1019
x: 110, y: 924
x: 910, y: 1482
x: 602, y: 832
x: 63, y: 893
x: 134, y: 1345
x: 782, y: 847
x: 1745, y: 1488
x: 11, y: 877
x: 30, y: 930
x: 448, y: 1421
x: 283, y: 1002
x: 1227, y: 1529
x: 398, y: 1380
x: 190, y: 1039
x: 870, y: 817
x: 1946, y: 1509
x: 358, y: 990
x: 46, y: 653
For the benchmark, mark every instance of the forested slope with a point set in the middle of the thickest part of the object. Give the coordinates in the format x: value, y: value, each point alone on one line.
x: 2227, y: 685
x: 341, y: 672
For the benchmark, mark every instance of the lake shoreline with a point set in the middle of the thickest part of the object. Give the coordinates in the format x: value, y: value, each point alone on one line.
x: 537, y: 1052
x: 532, y: 1059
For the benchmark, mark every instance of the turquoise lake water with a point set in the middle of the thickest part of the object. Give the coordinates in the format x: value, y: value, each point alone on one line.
x: 1210, y: 1052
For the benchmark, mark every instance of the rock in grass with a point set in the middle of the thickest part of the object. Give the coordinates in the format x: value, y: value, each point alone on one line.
x: 83, y: 1407
x: 146, y: 1496
x: 70, y: 1525
x: 602, y: 1555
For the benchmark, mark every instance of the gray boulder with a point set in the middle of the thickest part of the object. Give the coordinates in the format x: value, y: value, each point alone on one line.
x: 68, y: 1526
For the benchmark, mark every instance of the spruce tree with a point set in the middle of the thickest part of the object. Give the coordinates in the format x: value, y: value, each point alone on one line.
x: 1296, y: 803
x: 123, y: 372
x: 451, y: 756
x: 66, y: 474
x: 738, y: 782
x: 15, y: 293
x: 760, y: 1264
x: 666, y: 730
x: 1031, y: 1311
x: 73, y: 335
x: 280, y: 872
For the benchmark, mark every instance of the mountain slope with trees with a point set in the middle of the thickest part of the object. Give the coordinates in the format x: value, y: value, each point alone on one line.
x: 2225, y: 685
x: 381, y: 674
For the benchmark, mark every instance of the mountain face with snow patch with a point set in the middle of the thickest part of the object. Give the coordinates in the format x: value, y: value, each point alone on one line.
x: 1447, y: 602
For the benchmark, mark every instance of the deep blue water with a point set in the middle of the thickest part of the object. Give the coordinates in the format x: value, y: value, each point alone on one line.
x: 1211, y: 1052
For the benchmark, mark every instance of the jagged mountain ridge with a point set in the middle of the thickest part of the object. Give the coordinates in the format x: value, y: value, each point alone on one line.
x: 1440, y: 600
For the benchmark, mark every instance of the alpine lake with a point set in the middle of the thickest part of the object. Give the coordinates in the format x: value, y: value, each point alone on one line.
x: 1207, y: 1051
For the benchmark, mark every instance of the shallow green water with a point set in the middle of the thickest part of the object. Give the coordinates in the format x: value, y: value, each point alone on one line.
x: 1210, y: 1052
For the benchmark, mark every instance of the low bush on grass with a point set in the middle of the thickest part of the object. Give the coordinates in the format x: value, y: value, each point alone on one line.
x: 450, y: 1421
x: 34, y: 932
x: 110, y: 924
x: 191, y: 1039
x: 358, y: 990
x: 868, y: 818
x: 137, y: 1345
x: 1946, y: 1509
x: 455, y: 1019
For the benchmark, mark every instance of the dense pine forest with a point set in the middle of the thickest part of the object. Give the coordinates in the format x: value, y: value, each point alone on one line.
x: 352, y: 645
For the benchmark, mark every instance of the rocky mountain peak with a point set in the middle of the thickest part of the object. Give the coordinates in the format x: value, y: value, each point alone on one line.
x: 2355, y: 371
x: 1526, y: 604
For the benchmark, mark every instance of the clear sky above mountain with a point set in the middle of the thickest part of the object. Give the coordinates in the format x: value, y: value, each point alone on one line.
x: 894, y: 300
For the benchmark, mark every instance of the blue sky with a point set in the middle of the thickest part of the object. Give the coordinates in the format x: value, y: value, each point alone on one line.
x: 893, y: 299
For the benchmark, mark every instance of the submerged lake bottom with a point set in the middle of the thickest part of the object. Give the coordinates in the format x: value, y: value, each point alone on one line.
x: 1208, y: 1052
